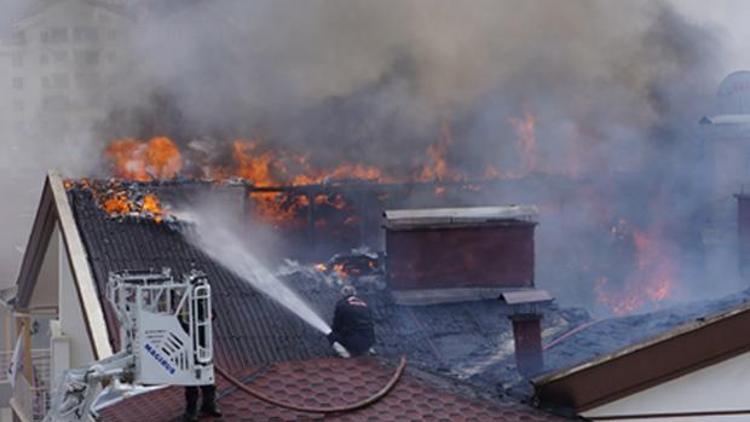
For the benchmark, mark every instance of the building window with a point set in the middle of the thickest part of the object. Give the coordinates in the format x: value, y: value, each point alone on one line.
x: 90, y: 80
x: 95, y: 100
x: 55, y: 35
x: 43, y: 58
x: 18, y: 82
x: 102, y: 17
x: 87, y: 57
x: 60, y: 81
x: 16, y: 60
x: 19, y: 38
x: 60, y: 56
x: 55, y: 102
x: 111, y: 57
x: 56, y: 81
x: 18, y: 105
x: 85, y: 34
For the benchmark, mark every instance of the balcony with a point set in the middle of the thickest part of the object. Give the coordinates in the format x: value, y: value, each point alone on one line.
x: 31, y: 398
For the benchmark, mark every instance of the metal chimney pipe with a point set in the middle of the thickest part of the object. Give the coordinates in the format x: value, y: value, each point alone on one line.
x: 526, y: 308
x: 527, y: 334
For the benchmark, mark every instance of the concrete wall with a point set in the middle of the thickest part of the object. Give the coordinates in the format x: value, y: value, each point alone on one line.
x: 721, y: 387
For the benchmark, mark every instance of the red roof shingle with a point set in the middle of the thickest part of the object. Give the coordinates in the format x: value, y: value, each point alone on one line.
x: 327, y: 382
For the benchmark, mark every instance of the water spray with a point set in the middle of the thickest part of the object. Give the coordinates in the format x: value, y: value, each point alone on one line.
x: 228, y: 249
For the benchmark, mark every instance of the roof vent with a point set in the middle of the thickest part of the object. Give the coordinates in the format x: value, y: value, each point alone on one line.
x: 526, y: 308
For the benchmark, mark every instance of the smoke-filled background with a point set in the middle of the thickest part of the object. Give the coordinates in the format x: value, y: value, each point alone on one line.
x: 613, y: 90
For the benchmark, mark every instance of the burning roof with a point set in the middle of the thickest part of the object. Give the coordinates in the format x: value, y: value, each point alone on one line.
x: 623, y: 264
x: 467, y: 341
x: 253, y: 330
x: 124, y: 200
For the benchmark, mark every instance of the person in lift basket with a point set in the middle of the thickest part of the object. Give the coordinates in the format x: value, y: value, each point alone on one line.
x: 352, y: 332
x: 208, y: 405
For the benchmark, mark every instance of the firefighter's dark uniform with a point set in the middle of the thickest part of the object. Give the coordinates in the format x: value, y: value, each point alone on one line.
x: 352, y: 326
x: 208, y: 406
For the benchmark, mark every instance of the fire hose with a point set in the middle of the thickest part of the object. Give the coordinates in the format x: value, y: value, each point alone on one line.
x: 335, y: 409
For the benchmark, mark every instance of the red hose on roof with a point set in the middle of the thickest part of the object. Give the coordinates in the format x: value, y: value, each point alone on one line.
x: 335, y: 409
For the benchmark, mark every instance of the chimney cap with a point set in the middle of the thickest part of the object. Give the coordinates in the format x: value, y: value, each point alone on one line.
x: 526, y: 296
x: 527, y: 301
x: 406, y: 219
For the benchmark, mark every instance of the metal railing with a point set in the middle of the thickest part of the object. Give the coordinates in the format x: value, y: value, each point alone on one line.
x: 5, y: 358
x: 40, y: 359
x: 32, y: 402
x: 32, y: 398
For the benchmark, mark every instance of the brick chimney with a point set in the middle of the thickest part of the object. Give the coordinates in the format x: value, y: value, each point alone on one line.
x: 475, y: 253
x: 525, y: 310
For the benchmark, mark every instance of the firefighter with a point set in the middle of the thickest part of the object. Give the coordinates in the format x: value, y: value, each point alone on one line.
x: 352, y: 331
x: 208, y: 405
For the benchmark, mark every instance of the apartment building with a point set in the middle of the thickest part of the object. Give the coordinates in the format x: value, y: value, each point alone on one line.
x: 56, y: 65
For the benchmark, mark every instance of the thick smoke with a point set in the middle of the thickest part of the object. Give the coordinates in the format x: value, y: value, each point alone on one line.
x: 331, y: 72
x: 613, y: 87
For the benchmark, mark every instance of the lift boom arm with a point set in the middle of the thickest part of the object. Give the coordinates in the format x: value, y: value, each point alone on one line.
x: 165, y: 331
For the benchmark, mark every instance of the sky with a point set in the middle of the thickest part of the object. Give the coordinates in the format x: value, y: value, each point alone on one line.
x: 730, y: 20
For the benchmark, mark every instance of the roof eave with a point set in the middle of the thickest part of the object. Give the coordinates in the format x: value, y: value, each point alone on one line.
x: 688, y: 348
x: 41, y: 230
x: 54, y: 208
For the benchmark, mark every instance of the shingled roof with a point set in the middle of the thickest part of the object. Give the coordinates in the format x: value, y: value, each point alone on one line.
x: 614, y: 358
x: 331, y: 382
x: 253, y: 333
x: 250, y: 328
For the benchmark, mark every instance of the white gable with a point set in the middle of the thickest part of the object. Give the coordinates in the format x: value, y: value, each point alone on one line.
x: 44, y: 297
x: 722, y: 387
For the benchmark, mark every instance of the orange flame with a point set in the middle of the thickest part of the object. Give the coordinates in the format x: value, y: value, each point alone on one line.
x: 118, y: 203
x: 163, y: 159
x: 118, y: 200
x: 278, y: 208
x: 152, y: 205
x: 132, y: 159
x: 652, y: 280
x: 437, y: 168
x: 252, y: 164
x: 526, y: 145
x: 126, y: 157
x: 159, y: 158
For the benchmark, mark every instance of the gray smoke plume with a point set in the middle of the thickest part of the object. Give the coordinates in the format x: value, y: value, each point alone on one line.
x: 613, y: 88
x: 362, y: 73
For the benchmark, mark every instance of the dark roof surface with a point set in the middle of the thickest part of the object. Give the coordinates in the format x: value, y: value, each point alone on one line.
x: 471, y: 341
x: 328, y: 382
x: 253, y: 331
x: 250, y: 329
x: 604, y: 337
x: 462, y: 339
x: 643, y: 351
